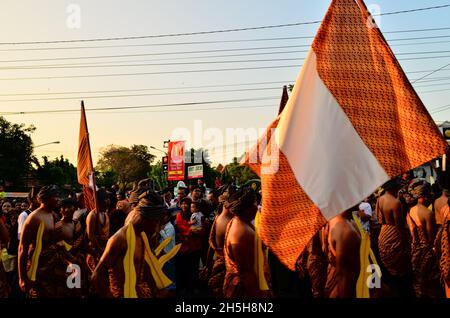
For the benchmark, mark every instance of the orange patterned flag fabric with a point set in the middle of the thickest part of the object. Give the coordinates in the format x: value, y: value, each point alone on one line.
x: 85, y: 169
x: 353, y: 121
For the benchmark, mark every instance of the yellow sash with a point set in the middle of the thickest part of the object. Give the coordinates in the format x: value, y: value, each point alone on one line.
x: 365, y: 252
x: 155, y: 264
x: 37, y: 252
x: 260, y: 257
x: 67, y: 246
x: 129, y: 290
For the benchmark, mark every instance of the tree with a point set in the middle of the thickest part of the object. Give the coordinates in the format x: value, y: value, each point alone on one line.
x: 158, y: 176
x: 16, y: 152
x: 128, y: 164
x: 238, y: 174
x: 105, y: 179
x: 58, y: 171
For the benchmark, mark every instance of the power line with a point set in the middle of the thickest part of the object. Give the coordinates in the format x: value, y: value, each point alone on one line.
x: 163, y: 44
x: 204, y: 42
x: 148, y: 89
x: 440, y: 109
x: 183, y: 71
x: 186, y: 52
x: 214, y: 31
x: 420, y: 38
x: 435, y: 91
x: 188, y: 110
x: 424, y: 58
x: 144, y: 64
x: 166, y: 89
x: 53, y: 111
x: 419, y: 43
x: 105, y: 65
x: 151, y: 54
x: 148, y: 73
x: 431, y: 85
x: 139, y: 95
x: 431, y: 73
x: 426, y: 52
x: 434, y: 79
x: 179, y: 88
x: 185, y: 58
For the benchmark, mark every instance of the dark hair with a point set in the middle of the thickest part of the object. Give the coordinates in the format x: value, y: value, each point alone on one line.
x: 215, y: 193
x: 238, y: 202
x: 391, y: 185
x: 196, y: 204
x: 101, y: 195
x: 112, y: 200
x: 69, y: 202
x: 186, y: 200
x: 48, y: 192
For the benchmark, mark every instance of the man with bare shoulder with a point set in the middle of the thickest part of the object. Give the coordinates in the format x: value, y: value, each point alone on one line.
x: 111, y: 274
x: 422, y: 225
x: 97, y: 230
x: 241, y: 279
x: 439, y: 205
x: 36, y: 248
x: 216, y: 243
x: 393, y: 242
x: 342, y: 248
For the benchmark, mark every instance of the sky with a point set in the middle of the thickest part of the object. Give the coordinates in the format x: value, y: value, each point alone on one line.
x: 245, y: 95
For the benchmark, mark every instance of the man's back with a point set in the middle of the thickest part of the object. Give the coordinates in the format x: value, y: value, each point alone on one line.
x: 389, y: 210
x: 344, y: 242
x: 424, y: 219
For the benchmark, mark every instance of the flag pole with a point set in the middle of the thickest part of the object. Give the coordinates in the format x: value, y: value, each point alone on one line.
x: 284, y: 99
x: 90, y: 156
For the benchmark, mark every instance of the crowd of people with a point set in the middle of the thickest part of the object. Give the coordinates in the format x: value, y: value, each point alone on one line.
x: 144, y: 243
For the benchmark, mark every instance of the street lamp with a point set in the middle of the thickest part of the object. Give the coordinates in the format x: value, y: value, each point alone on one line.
x: 159, y: 150
x: 49, y: 143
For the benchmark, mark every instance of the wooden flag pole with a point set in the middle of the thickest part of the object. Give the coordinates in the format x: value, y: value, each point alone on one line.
x: 90, y: 157
x: 284, y: 99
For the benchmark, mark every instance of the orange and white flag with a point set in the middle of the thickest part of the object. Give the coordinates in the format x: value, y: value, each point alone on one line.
x: 352, y: 122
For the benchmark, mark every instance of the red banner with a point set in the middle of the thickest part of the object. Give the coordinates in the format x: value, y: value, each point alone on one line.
x: 176, y: 161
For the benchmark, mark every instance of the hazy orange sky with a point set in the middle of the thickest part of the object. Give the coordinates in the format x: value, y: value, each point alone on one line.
x: 46, y: 20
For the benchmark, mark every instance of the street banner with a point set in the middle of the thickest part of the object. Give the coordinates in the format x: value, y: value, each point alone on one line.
x: 176, y: 161
x: 195, y: 172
